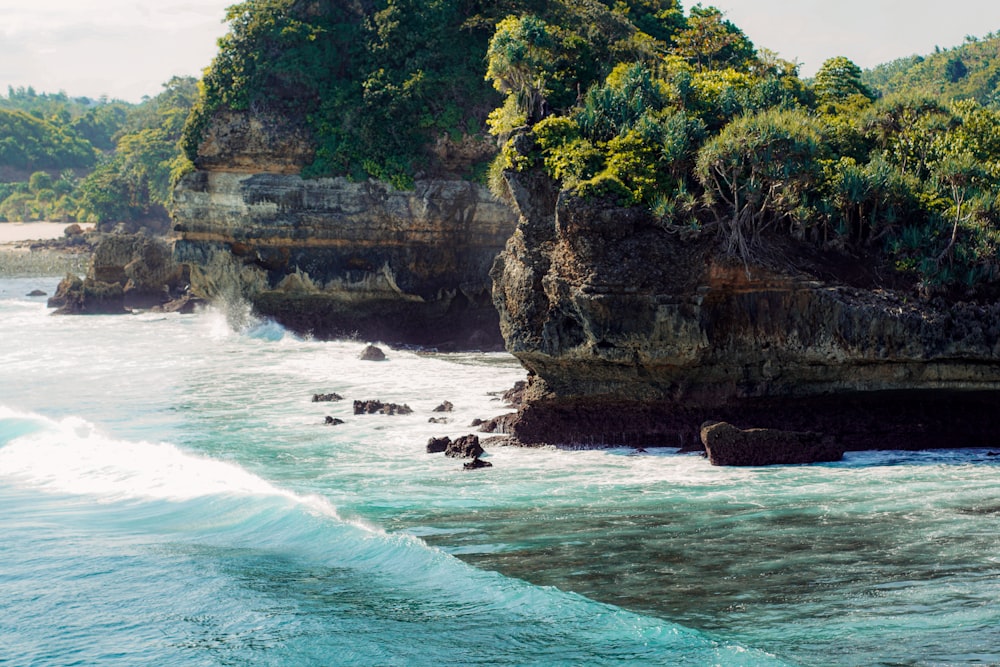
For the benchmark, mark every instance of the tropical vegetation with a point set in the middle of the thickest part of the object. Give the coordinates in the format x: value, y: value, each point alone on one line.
x: 78, y: 159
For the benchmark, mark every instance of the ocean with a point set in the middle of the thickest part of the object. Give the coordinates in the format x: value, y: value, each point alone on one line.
x: 170, y: 495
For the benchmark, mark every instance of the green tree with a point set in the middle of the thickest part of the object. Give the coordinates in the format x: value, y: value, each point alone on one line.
x: 39, y: 181
x: 517, y: 63
x: 838, y: 79
x: 710, y: 41
x: 761, y: 170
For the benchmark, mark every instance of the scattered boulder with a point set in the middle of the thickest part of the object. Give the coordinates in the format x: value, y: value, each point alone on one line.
x: 477, y: 422
x: 437, y: 420
x: 73, y: 230
x: 327, y: 398
x: 727, y: 445
x: 466, y: 447
x: 37, y: 292
x: 476, y: 464
x: 333, y: 421
x: 445, y: 407
x: 372, y: 353
x: 373, y: 407
x: 438, y: 445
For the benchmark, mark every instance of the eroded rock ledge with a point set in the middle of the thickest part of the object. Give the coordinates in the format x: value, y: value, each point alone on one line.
x: 633, y: 334
x: 334, y: 258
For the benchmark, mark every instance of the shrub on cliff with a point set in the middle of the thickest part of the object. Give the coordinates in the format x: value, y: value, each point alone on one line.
x: 374, y: 82
x: 761, y: 171
x: 709, y: 134
x: 377, y: 83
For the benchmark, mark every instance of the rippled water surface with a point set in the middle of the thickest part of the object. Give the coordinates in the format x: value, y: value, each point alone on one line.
x: 171, y: 496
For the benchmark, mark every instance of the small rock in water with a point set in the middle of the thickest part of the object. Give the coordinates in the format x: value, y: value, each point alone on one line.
x: 466, y: 447
x: 477, y: 422
x: 437, y: 420
x: 373, y: 407
x: 333, y: 421
x: 372, y: 353
x: 476, y: 464
x: 727, y: 445
x: 445, y: 407
x: 327, y: 398
x: 37, y: 292
x: 438, y: 445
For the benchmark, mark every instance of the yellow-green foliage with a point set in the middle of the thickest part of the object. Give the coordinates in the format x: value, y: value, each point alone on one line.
x: 567, y: 156
x: 506, y: 117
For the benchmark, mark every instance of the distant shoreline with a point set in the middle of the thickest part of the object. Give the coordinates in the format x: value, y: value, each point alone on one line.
x: 12, y: 232
x: 18, y: 259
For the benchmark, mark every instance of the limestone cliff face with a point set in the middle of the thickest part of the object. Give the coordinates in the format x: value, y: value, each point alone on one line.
x: 635, y: 335
x: 336, y: 258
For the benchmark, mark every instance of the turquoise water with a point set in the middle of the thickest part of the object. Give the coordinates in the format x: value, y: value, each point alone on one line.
x: 170, y: 496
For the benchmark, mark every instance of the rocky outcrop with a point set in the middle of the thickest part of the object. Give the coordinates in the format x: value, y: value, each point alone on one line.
x: 126, y: 271
x: 466, y: 447
x: 636, y: 334
x: 727, y: 445
x: 335, y: 258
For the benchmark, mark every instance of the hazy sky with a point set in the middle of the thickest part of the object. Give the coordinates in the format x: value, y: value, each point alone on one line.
x: 129, y: 48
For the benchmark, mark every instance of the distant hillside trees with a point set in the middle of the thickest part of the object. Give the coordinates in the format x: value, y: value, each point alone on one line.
x: 102, y: 162
x: 968, y: 71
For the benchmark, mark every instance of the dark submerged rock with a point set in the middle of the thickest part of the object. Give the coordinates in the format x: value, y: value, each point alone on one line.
x: 327, y: 398
x: 374, y: 407
x: 445, y: 407
x: 372, y: 353
x: 437, y: 420
x: 333, y: 421
x: 185, y: 305
x: 37, y: 292
x: 727, y: 445
x: 476, y: 464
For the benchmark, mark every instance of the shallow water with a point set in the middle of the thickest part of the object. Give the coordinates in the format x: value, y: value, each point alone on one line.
x: 171, y: 496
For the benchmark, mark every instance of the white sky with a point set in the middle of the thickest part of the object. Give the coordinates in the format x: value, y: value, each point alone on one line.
x: 129, y: 48
x: 869, y: 32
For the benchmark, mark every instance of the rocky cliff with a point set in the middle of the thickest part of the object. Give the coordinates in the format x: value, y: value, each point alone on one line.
x: 635, y: 334
x: 335, y: 258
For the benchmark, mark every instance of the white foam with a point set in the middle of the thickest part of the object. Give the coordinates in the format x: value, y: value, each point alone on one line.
x: 72, y: 456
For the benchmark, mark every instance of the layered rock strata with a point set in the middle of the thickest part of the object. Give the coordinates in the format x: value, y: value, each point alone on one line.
x: 334, y: 258
x: 633, y: 333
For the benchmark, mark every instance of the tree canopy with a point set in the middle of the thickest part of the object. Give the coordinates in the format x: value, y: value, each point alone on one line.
x: 92, y: 161
x: 644, y: 104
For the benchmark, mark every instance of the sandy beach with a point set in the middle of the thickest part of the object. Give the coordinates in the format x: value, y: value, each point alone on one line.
x: 11, y: 232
